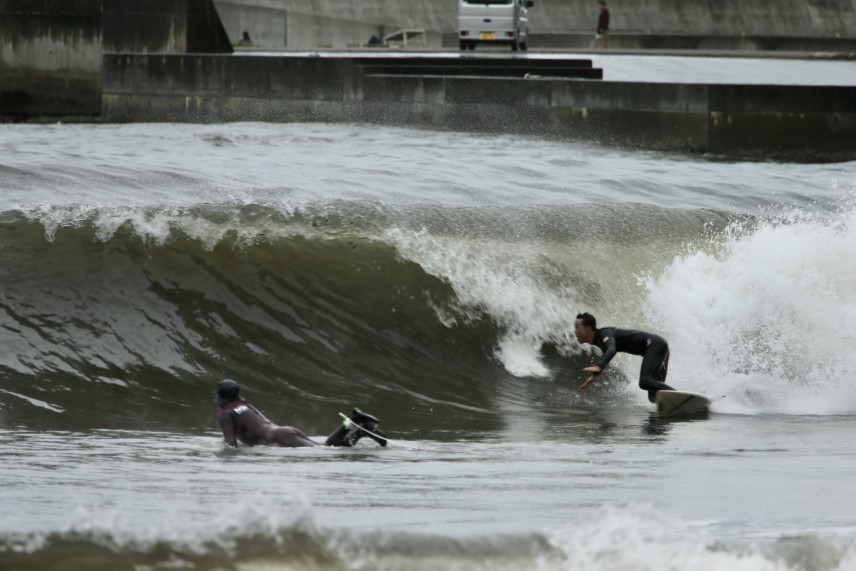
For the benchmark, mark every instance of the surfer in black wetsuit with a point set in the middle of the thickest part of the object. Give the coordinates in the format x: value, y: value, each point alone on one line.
x: 243, y: 422
x: 653, y: 349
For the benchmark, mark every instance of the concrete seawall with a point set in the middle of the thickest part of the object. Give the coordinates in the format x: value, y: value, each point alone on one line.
x: 51, y: 50
x: 819, y: 24
x: 812, y: 123
x: 122, y: 60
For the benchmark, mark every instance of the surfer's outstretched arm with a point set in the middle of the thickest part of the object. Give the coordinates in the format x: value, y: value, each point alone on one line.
x: 586, y: 332
x: 593, y: 371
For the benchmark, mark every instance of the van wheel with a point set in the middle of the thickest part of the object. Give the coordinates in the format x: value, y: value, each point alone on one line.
x: 463, y: 45
x: 473, y: 46
x: 514, y: 46
x: 523, y: 46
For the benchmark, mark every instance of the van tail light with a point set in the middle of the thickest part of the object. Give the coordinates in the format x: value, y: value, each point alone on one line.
x: 465, y: 32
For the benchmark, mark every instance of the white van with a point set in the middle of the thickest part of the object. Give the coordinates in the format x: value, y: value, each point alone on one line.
x: 493, y: 22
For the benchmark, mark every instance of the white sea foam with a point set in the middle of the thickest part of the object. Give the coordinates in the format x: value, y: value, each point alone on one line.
x: 640, y: 538
x: 614, y: 538
x: 766, y: 315
x: 503, y: 280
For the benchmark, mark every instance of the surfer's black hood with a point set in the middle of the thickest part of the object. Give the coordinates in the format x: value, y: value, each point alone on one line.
x: 227, y: 391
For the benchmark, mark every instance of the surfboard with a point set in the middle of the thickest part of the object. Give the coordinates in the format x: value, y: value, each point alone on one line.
x: 674, y: 403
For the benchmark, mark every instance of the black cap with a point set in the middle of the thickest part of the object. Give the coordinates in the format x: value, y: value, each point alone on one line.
x: 227, y: 391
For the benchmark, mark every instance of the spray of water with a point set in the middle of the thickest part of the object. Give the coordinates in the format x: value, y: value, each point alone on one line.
x: 503, y: 280
x: 766, y: 314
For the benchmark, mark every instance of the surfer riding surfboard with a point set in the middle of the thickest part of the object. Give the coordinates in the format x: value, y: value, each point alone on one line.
x: 654, y: 351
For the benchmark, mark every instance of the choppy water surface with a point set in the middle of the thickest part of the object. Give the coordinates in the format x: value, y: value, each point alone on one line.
x: 430, y: 278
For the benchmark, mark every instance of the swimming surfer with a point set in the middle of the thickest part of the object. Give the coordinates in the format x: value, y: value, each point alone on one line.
x: 241, y: 421
x: 653, y: 349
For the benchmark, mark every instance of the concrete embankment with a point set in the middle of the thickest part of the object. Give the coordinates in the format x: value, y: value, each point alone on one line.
x: 123, y: 60
x: 795, y: 122
x: 51, y: 50
x: 812, y: 25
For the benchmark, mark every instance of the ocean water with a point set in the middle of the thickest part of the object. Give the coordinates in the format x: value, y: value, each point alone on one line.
x: 430, y: 278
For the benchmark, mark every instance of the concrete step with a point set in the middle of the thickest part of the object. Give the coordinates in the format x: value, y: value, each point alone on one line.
x: 480, y: 67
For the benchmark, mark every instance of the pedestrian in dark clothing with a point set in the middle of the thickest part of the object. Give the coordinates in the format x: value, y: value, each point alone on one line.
x: 601, y: 34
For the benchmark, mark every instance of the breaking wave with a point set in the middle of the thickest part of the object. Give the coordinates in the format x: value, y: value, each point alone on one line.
x: 116, y: 317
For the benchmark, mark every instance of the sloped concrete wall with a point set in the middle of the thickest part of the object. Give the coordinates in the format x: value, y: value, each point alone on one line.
x: 343, y: 23
x: 797, y: 18
x: 331, y: 23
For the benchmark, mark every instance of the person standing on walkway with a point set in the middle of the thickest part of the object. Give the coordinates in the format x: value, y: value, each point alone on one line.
x: 601, y: 34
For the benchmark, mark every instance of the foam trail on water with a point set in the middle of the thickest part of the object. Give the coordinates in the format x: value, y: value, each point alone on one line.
x: 642, y: 538
x: 767, y: 316
x: 631, y: 538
